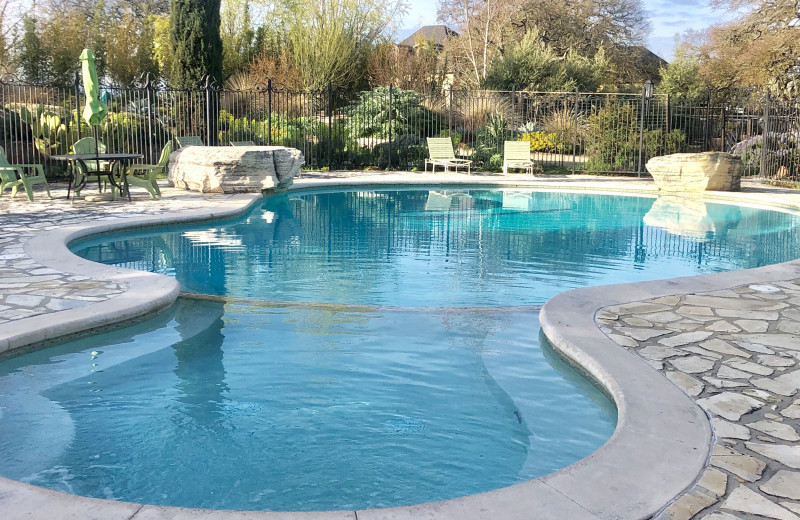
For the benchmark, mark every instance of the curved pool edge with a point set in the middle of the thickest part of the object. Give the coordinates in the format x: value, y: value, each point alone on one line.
x: 144, y: 292
x: 658, y: 450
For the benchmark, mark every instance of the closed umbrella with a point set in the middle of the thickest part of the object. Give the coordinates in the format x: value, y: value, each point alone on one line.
x: 95, y: 110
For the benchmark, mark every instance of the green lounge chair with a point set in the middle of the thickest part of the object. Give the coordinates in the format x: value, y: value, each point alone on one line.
x: 149, y: 172
x: 441, y: 152
x: 243, y: 143
x: 517, y: 154
x: 189, y: 140
x: 88, y: 145
x: 15, y: 175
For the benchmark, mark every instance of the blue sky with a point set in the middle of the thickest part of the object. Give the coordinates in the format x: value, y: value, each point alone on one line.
x: 668, y: 17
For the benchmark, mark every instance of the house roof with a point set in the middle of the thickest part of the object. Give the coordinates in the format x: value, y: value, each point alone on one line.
x: 649, y: 57
x: 438, y: 34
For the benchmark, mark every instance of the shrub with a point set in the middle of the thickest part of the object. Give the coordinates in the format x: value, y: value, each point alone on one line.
x: 783, y: 155
x: 613, y: 134
x: 656, y: 142
x: 476, y: 110
x: 749, y: 151
x: 344, y: 148
x: 454, y: 136
x: 542, y: 141
x: 613, y: 137
x: 370, y: 114
x: 406, y: 151
x: 489, y: 143
x: 568, y: 135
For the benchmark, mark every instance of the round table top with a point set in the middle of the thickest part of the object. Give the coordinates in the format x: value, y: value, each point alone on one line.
x: 96, y: 156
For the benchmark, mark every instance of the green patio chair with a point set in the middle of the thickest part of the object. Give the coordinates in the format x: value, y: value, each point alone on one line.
x: 441, y: 152
x: 243, y: 143
x: 15, y: 175
x: 189, y: 140
x: 149, y: 172
x: 517, y: 154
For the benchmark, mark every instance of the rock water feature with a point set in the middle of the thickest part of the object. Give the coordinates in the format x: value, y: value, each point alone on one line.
x: 234, y: 169
x: 696, y: 172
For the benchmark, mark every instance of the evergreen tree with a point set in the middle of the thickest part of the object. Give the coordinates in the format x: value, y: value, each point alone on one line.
x: 681, y: 77
x: 195, y: 40
x: 97, y: 37
x: 31, y: 57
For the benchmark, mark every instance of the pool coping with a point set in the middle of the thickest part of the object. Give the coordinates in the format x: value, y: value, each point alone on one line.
x: 650, y: 459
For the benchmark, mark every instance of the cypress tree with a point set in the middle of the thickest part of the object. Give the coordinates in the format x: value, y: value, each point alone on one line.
x: 31, y: 58
x: 196, y: 43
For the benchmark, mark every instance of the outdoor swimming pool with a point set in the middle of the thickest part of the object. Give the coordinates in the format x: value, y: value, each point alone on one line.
x: 415, y: 375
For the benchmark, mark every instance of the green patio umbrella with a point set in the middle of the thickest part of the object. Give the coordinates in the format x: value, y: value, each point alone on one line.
x: 95, y: 110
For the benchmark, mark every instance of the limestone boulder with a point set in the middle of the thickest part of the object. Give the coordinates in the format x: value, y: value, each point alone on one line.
x: 696, y: 172
x: 234, y: 169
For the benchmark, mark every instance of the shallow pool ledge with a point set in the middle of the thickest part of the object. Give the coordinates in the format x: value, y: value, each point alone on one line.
x: 143, y: 292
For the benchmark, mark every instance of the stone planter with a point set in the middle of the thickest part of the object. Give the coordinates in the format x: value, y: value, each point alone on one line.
x: 696, y: 172
x: 234, y: 169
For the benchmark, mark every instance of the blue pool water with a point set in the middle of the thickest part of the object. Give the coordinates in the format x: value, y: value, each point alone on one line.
x: 358, y: 348
x: 452, y: 248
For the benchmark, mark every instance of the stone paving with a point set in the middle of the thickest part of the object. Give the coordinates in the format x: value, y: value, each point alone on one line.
x: 28, y: 288
x: 736, y: 353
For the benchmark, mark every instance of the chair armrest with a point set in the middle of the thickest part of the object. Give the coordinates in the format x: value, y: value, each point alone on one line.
x: 38, y: 167
x: 143, y: 167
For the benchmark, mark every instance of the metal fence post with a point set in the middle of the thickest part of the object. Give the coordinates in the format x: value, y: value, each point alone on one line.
x: 391, y: 92
x: 707, y: 139
x: 78, y: 102
x: 330, y: 124
x: 149, y: 92
x: 575, y: 131
x: 764, y: 136
x: 513, y: 104
x: 669, y: 115
x: 269, y: 112
x: 724, y: 122
x: 209, y: 113
x: 450, y: 112
x: 641, y: 134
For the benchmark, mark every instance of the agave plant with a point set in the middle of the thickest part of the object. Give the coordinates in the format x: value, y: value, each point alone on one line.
x: 529, y: 128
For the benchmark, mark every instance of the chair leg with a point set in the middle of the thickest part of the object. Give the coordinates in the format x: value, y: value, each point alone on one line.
x: 28, y: 189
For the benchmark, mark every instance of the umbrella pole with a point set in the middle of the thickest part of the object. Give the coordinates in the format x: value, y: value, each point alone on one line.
x: 96, y: 154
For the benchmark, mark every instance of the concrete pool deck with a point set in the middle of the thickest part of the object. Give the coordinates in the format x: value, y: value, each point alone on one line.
x: 729, y: 342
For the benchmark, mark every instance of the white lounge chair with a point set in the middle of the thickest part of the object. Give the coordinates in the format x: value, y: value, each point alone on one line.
x: 441, y: 151
x: 517, y: 154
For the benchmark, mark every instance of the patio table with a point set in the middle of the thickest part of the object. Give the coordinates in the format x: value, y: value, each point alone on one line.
x: 117, y: 162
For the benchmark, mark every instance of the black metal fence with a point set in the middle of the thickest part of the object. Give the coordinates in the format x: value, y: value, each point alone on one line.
x: 387, y: 127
